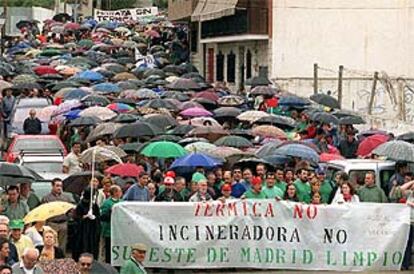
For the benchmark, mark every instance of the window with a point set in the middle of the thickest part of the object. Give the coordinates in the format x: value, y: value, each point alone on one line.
x: 248, y: 64
x: 231, y: 67
x: 385, y: 176
x: 220, y: 67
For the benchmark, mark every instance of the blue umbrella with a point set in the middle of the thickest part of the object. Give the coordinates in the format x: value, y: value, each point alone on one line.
x: 277, y: 160
x: 195, y: 160
x: 75, y: 94
x: 73, y: 114
x: 298, y: 150
x: 106, y: 88
x: 293, y: 101
x: 90, y: 75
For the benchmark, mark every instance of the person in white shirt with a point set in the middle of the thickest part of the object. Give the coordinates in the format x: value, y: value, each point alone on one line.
x: 347, y: 195
x: 28, y: 263
x: 71, y: 163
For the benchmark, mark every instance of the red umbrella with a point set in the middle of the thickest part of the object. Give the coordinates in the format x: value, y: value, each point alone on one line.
x: 370, y: 143
x: 125, y: 170
x: 72, y: 26
x: 326, y: 157
x: 212, y: 96
x: 152, y: 33
x: 42, y: 70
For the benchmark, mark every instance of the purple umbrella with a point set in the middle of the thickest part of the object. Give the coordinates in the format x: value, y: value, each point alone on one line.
x: 195, y: 112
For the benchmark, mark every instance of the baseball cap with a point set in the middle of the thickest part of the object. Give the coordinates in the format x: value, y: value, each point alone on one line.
x: 169, y: 181
x: 226, y: 187
x: 16, y: 224
x: 170, y: 173
x: 256, y: 181
x: 139, y: 247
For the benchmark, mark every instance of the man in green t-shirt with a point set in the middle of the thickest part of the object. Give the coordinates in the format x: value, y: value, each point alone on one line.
x: 303, y: 188
x: 270, y: 190
x: 280, y: 179
x: 255, y: 192
x: 326, y: 186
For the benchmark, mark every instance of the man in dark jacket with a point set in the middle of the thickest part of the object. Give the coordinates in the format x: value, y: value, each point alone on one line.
x: 349, y: 146
x: 32, y: 124
x: 169, y: 194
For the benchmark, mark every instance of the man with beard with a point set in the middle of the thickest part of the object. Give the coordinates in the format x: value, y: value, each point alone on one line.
x: 169, y: 194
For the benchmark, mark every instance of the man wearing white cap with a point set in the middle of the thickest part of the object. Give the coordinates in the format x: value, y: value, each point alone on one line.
x: 134, y: 264
x: 169, y: 194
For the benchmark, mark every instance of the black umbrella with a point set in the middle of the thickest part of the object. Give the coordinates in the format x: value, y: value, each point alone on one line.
x: 161, y: 103
x: 246, y: 133
x: 277, y: 120
x: 408, y: 137
x: 233, y: 141
x: 351, y: 120
x: 184, y: 84
x: 153, y: 72
x: 206, y: 103
x: 252, y: 162
x: 95, y: 100
x: 166, y: 137
x: 224, y: 112
x: 326, y: 100
x: 264, y: 91
x: 175, y: 95
x: 173, y: 69
x: 125, y: 118
x: 324, y: 118
x: 77, y: 182
x: 13, y: 174
x: 85, y: 121
x: 188, y: 67
x: 136, y: 130
x: 24, y: 24
x: 181, y: 130
x: 62, y: 17
x: 64, y: 84
x: 268, y: 148
x: 134, y: 147
x: 162, y: 121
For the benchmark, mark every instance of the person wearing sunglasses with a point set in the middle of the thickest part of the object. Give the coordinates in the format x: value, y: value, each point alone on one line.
x: 85, y: 263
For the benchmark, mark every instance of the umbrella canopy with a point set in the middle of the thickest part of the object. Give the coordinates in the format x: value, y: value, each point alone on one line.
x: 293, y: 101
x: 42, y: 70
x: 101, y: 113
x: 277, y: 120
x: 200, y: 147
x: 224, y: 152
x: 100, y: 154
x: 252, y: 115
x: 85, y: 121
x: 326, y: 100
x: 408, y: 137
x: 90, y: 75
x: 231, y: 101
x: 59, y: 266
x: 233, y: 141
x: 134, y: 147
x: 195, y: 112
x: 162, y: 121
x: 268, y: 148
x: 125, y: 118
x: 13, y: 174
x: 76, y: 182
x: 370, y: 143
x: 210, y: 133
x: 72, y: 26
x: 136, y: 130
x: 299, y: 151
x: 351, y: 120
x: 163, y: 149
x: 227, y: 112
x: 75, y: 94
x: 102, y: 130
x: 106, y: 88
x: 183, y: 84
x: 125, y: 170
x: 61, y: 17
x: 120, y: 107
x: 396, y: 150
x: 47, y: 211
x: 161, y: 103
x: 264, y: 91
x: 324, y: 118
x: 269, y: 132
x: 209, y: 95
x: 95, y: 100
x: 258, y: 81
x: 180, y: 130
x: 326, y: 157
x: 195, y: 160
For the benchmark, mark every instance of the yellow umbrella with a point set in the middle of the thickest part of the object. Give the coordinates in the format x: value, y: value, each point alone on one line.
x: 46, y: 211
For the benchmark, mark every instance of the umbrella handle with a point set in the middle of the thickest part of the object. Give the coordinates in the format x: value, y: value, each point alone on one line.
x: 90, y: 212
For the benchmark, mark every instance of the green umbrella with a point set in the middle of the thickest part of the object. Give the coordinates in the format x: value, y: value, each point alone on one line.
x: 86, y: 43
x: 50, y: 52
x: 164, y: 149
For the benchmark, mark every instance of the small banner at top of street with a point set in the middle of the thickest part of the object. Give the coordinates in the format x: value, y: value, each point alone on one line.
x: 124, y: 14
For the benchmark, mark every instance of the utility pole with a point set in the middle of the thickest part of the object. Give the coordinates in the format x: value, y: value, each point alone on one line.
x: 315, y: 78
x: 372, y: 96
x: 340, y: 79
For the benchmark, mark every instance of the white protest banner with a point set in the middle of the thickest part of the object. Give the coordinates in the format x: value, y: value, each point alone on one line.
x: 265, y: 234
x: 124, y: 14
